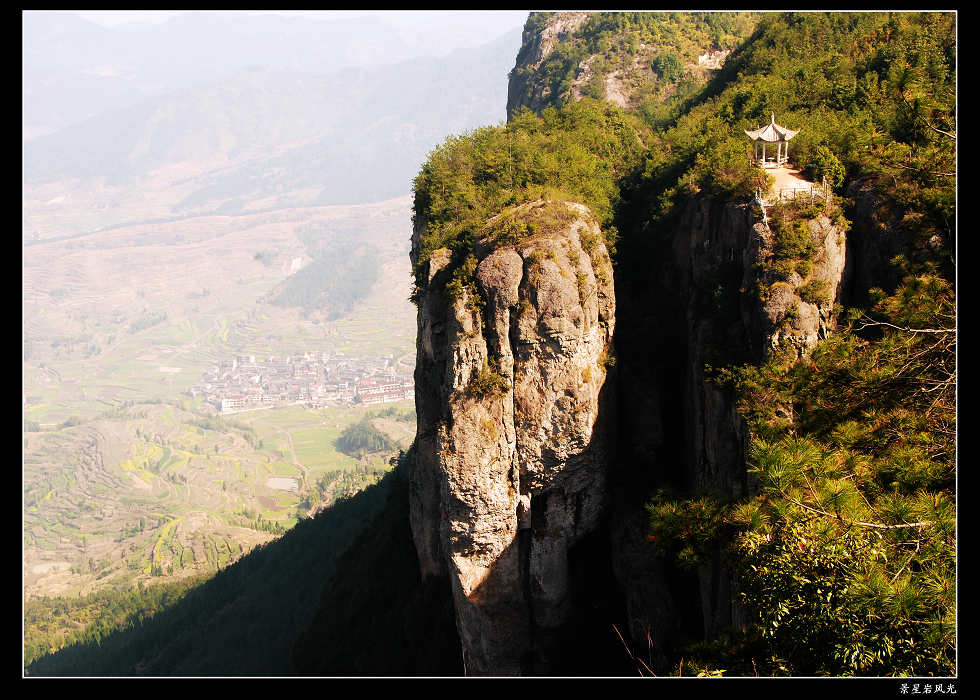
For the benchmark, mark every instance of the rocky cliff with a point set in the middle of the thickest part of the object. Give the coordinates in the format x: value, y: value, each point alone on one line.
x: 619, y: 57
x: 529, y: 443
x: 711, y: 298
x: 537, y: 44
x: 515, y: 429
x: 518, y: 415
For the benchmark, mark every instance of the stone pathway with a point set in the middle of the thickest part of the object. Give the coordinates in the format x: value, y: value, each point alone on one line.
x: 788, y: 178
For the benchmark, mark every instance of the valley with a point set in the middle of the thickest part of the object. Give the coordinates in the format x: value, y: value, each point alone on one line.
x: 176, y: 215
x: 127, y: 476
x: 245, y: 198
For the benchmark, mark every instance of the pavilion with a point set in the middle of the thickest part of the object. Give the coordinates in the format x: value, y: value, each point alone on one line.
x: 769, y: 134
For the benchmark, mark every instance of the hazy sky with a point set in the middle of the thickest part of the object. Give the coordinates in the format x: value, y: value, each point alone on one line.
x: 68, y: 82
x: 504, y: 17
x: 443, y: 30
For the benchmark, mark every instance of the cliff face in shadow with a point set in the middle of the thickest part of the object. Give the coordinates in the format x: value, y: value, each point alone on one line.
x: 711, y: 297
x: 506, y: 482
x: 519, y: 416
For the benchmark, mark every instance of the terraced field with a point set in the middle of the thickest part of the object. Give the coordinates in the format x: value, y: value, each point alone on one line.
x: 125, y: 475
x: 147, y: 491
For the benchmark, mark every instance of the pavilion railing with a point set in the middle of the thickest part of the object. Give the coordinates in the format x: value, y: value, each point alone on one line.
x: 783, y: 194
x: 791, y: 194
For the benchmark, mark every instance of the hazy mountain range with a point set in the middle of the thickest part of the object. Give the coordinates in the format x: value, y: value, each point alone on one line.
x: 300, y: 111
x: 74, y: 68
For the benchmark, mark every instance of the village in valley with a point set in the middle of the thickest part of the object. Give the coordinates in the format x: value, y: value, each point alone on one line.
x: 314, y: 379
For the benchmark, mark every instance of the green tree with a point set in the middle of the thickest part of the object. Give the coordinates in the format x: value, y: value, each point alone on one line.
x: 362, y: 437
x: 846, y: 557
x: 669, y: 66
x: 827, y: 165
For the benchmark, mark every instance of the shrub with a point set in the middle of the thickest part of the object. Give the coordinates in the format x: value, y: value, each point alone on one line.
x: 487, y: 383
x: 816, y: 292
x: 827, y: 165
x: 792, y: 239
x: 669, y: 66
x: 462, y: 278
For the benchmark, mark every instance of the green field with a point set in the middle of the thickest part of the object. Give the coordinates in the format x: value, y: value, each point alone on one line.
x: 169, y: 493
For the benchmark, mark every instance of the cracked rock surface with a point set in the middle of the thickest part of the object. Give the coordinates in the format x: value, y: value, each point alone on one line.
x: 506, y: 482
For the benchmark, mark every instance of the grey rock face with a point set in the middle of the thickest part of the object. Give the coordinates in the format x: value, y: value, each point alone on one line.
x: 506, y: 481
x: 735, y: 309
x: 538, y: 46
x: 788, y: 315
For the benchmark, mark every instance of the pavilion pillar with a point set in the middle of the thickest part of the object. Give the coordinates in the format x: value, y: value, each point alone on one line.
x: 772, y: 133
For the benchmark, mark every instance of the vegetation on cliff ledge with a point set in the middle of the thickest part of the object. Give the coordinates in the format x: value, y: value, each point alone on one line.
x: 846, y: 557
x: 874, y: 97
x: 576, y: 154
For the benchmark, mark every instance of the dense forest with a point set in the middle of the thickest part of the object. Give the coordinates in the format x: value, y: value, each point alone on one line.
x: 844, y: 554
x: 877, y: 99
x: 846, y: 557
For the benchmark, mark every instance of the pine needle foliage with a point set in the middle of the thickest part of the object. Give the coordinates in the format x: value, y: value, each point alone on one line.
x: 846, y: 556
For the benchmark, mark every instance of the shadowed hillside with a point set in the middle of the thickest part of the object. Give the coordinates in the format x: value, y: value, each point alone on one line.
x: 376, y: 616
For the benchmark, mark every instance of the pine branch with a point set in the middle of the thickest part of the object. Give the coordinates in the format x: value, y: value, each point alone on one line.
x: 919, y: 117
x: 877, y: 526
x: 870, y: 323
x: 918, y: 544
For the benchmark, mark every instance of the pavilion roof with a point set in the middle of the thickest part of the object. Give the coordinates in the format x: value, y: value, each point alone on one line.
x: 772, y: 132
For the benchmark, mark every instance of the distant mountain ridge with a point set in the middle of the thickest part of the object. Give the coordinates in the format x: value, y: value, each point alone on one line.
x: 356, y: 136
x: 74, y: 68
